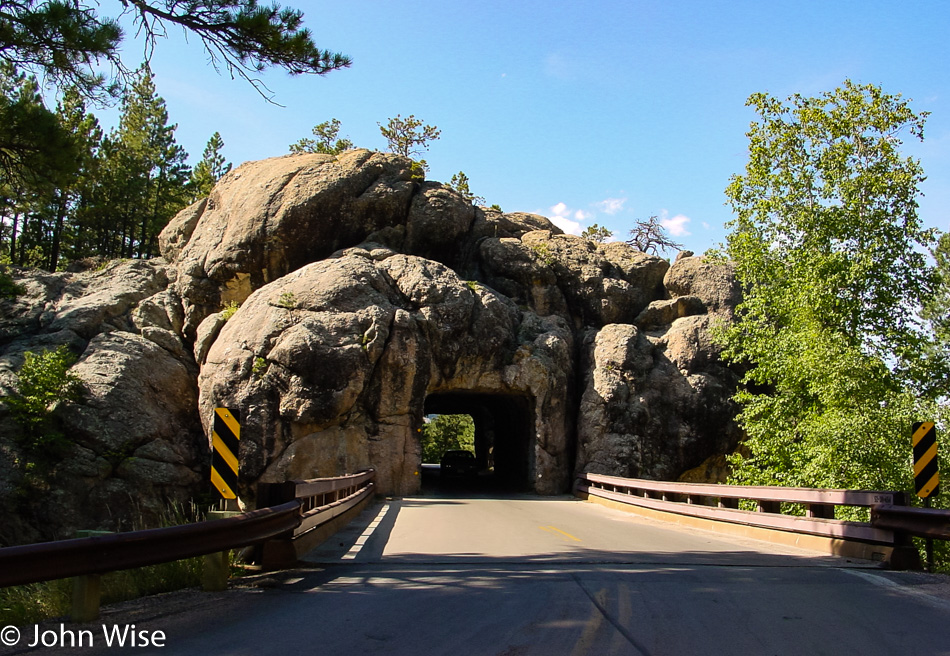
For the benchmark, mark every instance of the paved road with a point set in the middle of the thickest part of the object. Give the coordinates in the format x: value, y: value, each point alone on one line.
x: 528, y: 575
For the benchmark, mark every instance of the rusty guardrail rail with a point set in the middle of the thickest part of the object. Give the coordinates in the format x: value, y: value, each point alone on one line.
x: 32, y: 563
x: 720, y: 503
x: 322, y: 502
x: 921, y: 522
x: 46, y: 561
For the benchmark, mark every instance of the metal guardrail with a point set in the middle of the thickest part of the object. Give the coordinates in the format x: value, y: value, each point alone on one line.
x: 46, y: 561
x: 920, y: 522
x: 695, y: 499
x: 322, y: 500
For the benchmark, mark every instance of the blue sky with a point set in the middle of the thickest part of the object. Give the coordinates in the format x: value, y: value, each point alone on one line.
x: 596, y: 112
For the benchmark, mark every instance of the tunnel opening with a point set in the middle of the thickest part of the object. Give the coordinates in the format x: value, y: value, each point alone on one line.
x: 503, y: 442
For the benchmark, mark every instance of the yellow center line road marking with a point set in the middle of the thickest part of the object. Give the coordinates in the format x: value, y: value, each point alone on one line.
x: 553, y: 529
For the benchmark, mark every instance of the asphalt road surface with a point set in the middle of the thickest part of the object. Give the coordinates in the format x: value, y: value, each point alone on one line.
x: 530, y: 575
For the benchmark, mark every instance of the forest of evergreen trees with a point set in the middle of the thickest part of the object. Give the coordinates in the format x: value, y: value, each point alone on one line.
x: 69, y: 190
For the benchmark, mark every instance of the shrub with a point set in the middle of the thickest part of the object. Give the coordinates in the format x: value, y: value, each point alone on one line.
x: 229, y: 310
x: 44, y: 382
x: 8, y: 288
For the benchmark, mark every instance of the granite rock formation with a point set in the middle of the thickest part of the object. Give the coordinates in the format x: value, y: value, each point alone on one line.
x: 366, y: 297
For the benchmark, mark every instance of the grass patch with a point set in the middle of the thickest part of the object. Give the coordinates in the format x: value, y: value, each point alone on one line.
x: 34, y: 602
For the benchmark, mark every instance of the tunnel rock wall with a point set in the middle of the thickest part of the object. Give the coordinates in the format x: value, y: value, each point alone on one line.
x: 333, y: 363
x: 363, y: 290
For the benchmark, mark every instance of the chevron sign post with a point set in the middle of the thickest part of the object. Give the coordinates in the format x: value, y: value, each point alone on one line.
x: 926, y: 474
x: 225, y: 438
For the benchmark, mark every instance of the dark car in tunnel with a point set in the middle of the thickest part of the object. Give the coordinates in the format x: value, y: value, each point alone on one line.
x: 458, y: 463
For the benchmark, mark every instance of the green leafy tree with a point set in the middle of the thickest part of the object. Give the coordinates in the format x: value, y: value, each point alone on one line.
x: 44, y: 383
x: 409, y: 137
x: 650, y: 237
x: 67, y: 41
x: 459, y: 183
x: 209, y: 170
x: 327, y: 140
x: 830, y: 254
x: 446, y: 432
x: 937, y: 312
x: 597, y: 233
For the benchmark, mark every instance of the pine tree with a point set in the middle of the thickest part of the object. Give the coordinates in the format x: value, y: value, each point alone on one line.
x: 66, y: 41
x: 209, y: 170
x: 143, y: 176
x: 409, y: 137
x: 327, y: 140
x: 36, y: 154
x: 459, y: 183
x: 74, y: 191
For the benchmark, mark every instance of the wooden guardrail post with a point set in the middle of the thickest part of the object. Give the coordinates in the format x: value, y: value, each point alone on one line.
x: 216, y: 567
x: 87, y: 589
x: 87, y: 594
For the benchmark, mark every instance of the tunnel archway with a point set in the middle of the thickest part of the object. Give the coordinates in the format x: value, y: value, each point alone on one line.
x: 504, y: 436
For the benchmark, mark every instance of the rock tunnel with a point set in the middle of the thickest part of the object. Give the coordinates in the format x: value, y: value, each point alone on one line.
x: 504, y: 436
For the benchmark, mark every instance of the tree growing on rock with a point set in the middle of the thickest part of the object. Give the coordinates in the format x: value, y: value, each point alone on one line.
x: 44, y: 383
x: 650, y: 237
x: 597, y: 233
x: 459, y: 182
x: 327, y: 140
x: 829, y: 250
x: 409, y: 137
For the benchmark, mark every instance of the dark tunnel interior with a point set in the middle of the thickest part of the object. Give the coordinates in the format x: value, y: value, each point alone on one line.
x: 504, y: 439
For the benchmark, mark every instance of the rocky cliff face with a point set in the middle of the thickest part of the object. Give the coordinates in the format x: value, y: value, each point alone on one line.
x: 365, y: 297
x: 135, y: 437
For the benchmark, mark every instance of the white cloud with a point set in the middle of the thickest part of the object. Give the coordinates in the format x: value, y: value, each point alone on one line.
x: 558, y: 66
x: 560, y: 217
x: 581, y: 215
x: 611, y: 205
x: 676, y: 224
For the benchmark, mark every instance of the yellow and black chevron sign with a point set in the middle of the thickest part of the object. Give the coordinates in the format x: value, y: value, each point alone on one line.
x: 926, y: 474
x: 225, y: 437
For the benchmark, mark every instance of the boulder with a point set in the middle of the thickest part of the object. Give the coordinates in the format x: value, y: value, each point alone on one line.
x: 134, y: 442
x: 369, y: 298
x: 713, y: 282
x: 641, y: 416
x: 268, y: 218
x: 334, y: 361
